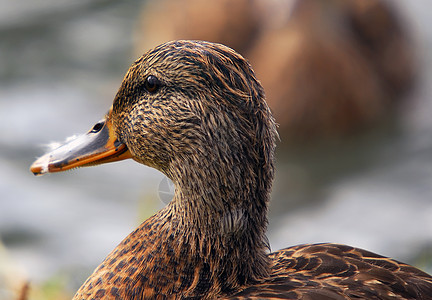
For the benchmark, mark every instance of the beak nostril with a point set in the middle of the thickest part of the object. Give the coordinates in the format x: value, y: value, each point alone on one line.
x: 98, y: 126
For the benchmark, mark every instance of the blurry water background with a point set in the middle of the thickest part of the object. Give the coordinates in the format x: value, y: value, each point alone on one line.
x: 61, y: 63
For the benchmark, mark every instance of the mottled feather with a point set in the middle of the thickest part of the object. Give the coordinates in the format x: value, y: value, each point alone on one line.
x: 206, y: 125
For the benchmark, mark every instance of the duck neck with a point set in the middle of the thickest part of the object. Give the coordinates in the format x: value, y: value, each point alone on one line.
x: 220, y: 208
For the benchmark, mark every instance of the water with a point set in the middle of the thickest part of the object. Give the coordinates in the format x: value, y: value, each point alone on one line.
x: 61, y: 64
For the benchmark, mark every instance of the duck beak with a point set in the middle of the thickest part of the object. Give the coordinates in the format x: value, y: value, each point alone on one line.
x: 98, y: 146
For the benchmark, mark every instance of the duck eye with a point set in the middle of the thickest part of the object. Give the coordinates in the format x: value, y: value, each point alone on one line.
x: 98, y: 126
x: 152, y: 84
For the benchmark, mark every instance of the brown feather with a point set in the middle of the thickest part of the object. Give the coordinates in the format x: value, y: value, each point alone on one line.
x: 209, y: 129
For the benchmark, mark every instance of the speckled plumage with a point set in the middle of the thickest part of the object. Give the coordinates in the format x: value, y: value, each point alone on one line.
x: 210, y: 239
x: 208, y: 128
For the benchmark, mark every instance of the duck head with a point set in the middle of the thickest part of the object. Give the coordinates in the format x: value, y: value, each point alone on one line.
x: 193, y: 110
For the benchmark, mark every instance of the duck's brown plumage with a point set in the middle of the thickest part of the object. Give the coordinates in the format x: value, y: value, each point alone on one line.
x: 196, y: 112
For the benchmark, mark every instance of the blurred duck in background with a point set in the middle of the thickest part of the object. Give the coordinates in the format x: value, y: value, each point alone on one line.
x: 233, y: 23
x: 330, y: 69
x: 334, y: 67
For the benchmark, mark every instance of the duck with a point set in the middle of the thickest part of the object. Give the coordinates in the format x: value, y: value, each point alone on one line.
x: 335, y: 69
x: 235, y: 24
x: 195, y: 111
x: 331, y: 69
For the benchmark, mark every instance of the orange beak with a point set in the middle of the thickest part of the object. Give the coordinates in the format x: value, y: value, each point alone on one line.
x: 98, y: 146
